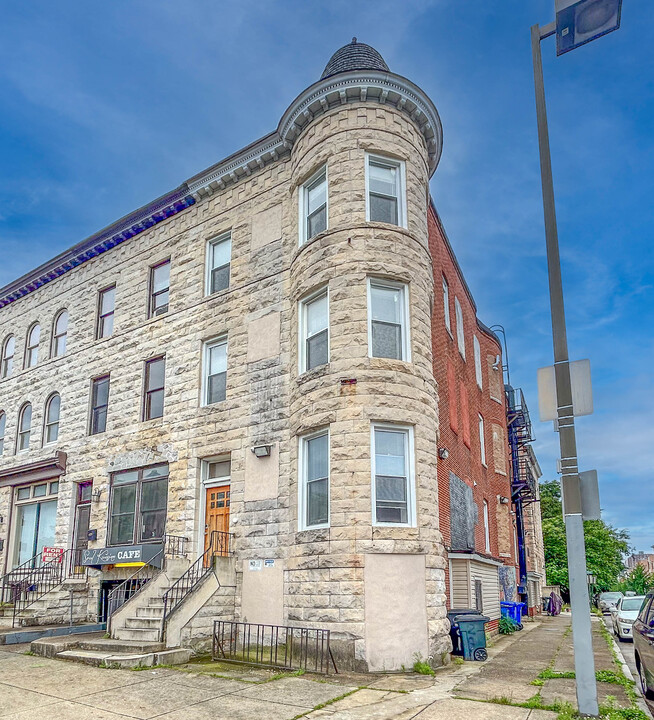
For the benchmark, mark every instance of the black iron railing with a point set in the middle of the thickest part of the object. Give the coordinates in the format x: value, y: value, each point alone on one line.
x: 176, y: 546
x: 35, y: 578
x: 219, y: 545
x: 172, y: 546
x: 278, y: 646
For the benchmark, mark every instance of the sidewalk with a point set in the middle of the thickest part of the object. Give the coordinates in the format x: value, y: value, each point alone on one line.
x: 506, y: 687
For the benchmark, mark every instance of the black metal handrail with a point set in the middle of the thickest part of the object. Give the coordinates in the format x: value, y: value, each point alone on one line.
x: 278, y: 646
x: 173, y: 546
x: 32, y: 583
x: 133, y: 585
x: 219, y: 545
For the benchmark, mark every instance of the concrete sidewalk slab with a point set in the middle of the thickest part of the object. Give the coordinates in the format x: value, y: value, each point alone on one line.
x: 153, y: 697
x: 295, y: 691
x: 235, y: 707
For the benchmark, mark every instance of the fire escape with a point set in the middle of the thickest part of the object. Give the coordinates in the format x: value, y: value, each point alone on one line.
x: 524, y: 488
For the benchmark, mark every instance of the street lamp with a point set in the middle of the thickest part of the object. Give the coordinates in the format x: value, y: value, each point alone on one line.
x: 577, y: 22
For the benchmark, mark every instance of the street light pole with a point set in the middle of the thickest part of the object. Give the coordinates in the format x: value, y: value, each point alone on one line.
x: 570, y: 484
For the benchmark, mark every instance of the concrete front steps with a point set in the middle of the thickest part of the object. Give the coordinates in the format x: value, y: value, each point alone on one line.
x: 140, y: 618
x: 94, y: 649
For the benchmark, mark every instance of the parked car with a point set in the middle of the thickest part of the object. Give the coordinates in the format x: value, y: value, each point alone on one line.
x: 608, y: 599
x: 643, y: 633
x: 625, y: 614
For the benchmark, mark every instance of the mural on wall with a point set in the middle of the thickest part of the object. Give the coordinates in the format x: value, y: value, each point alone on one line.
x: 507, y: 583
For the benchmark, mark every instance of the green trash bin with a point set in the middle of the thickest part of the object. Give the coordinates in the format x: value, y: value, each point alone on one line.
x: 473, y: 636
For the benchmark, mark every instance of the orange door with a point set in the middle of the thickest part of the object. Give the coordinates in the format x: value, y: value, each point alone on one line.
x: 217, y: 517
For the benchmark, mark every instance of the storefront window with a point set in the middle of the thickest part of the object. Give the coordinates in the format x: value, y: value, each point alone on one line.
x: 138, y: 505
x: 36, y: 513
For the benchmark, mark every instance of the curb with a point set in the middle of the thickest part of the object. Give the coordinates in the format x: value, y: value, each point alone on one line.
x: 626, y: 670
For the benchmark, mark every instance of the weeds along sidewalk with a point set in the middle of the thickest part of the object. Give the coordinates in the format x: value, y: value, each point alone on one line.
x: 535, y: 669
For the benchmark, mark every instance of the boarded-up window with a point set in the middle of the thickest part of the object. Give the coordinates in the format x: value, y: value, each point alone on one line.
x: 465, y: 415
x: 463, y: 515
x: 499, y: 449
x: 495, y: 382
x: 451, y: 391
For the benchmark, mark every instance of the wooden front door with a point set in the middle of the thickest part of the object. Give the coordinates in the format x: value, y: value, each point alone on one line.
x: 216, y: 516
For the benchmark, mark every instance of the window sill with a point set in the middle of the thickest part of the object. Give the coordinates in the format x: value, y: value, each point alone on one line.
x: 316, y: 372
x: 217, y: 294
x: 153, y: 422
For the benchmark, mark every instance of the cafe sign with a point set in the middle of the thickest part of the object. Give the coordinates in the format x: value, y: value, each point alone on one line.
x: 123, y: 554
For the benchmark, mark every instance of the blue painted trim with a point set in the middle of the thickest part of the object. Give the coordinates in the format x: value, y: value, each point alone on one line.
x: 133, y: 224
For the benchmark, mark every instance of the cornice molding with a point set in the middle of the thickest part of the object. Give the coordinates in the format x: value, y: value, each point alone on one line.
x: 363, y: 86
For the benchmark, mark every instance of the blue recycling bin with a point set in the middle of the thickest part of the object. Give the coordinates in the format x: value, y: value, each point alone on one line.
x: 471, y: 632
x: 513, y: 611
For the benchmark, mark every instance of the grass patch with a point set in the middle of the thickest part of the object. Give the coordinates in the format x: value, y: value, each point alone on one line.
x: 422, y: 667
x: 538, y: 682
x: 549, y: 674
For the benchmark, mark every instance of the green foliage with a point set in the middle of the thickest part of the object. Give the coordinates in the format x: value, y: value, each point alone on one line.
x: 422, y: 667
x: 605, y: 545
x: 638, y: 580
x: 507, y: 626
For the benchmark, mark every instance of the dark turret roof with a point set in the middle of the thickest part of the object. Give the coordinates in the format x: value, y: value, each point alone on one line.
x: 354, y: 56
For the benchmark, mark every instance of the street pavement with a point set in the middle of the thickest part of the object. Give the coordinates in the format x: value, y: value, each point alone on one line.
x: 32, y: 686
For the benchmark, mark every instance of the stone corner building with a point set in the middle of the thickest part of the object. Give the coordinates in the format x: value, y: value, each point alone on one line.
x: 244, y: 368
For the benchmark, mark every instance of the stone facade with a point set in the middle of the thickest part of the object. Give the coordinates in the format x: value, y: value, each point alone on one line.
x: 329, y: 577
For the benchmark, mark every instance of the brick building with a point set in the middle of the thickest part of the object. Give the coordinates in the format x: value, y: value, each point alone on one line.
x: 474, y: 470
x: 642, y: 559
x: 238, y: 385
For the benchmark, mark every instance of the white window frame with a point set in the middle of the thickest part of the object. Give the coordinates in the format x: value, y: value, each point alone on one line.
x: 482, y: 439
x: 19, y: 425
x: 205, y: 484
x: 400, y: 187
x: 302, y: 484
x: 46, y: 424
x: 303, y: 204
x: 486, y: 527
x: 218, y: 240
x: 302, y: 327
x: 460, y: 334
x: 56, y: 336
x: 446, y: 305
x: 406, y: 315
x: 409, y: 448
x: 206, y: 346
x: 477, y: 352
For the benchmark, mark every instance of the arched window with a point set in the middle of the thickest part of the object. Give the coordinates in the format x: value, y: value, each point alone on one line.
x: 59, y: 333
x: 24, y: 427
x: 51, y: 429
x: 8, y: 349
x: 32, y: 348
x: 3, y: 425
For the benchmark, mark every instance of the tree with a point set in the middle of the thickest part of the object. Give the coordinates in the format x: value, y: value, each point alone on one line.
x: 638, y: 580
x: 605, y: 545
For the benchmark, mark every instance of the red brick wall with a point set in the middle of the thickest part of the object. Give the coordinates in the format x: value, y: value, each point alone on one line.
x: 462, y: 401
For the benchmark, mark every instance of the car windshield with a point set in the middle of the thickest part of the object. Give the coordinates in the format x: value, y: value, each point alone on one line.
x: 610, y: 596
x: 632, y: 603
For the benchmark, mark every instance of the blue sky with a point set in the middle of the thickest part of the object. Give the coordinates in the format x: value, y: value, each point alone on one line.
x: 105, y: 106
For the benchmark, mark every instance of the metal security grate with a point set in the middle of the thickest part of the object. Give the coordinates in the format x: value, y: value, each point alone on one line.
x: 278, y: 646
